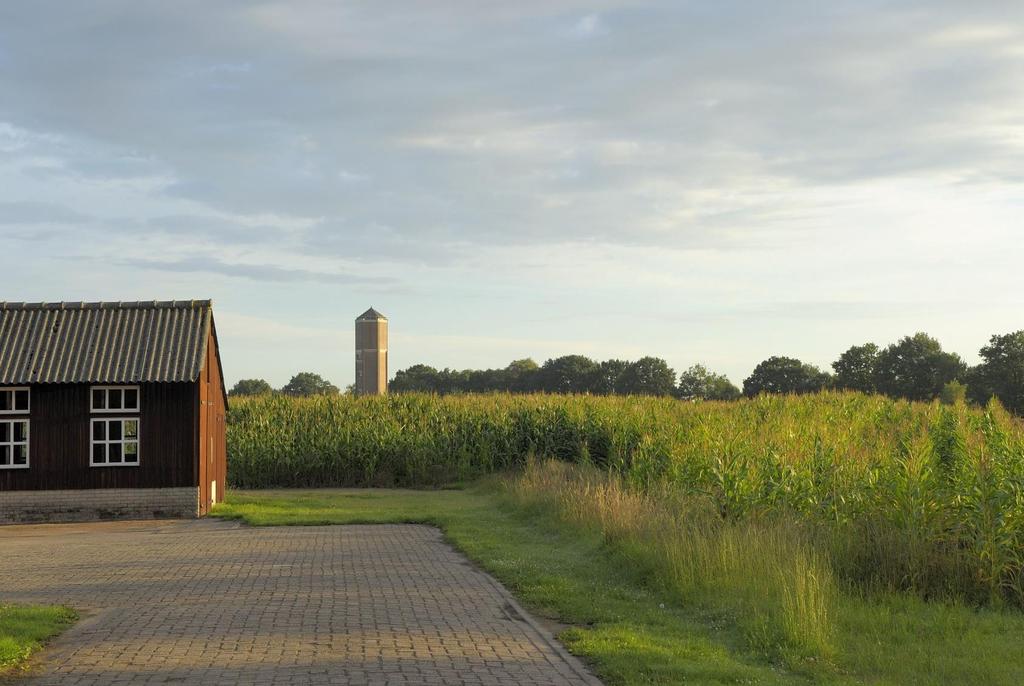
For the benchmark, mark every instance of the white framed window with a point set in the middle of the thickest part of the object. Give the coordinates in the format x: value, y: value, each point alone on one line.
x: 13, y: 444
x: 14, y: 400
x: 115, y: 399
x: 115, y: 442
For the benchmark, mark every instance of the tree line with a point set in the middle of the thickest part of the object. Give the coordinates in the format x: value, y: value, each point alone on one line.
x: 567, y: 374
x: 571, y: 374
x: 915, y: 368
x: 302, y: 384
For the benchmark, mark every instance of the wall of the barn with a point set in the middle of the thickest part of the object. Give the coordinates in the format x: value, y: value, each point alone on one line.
x: 98, y: 503
x: 59, y: 447
x: 212, y: 435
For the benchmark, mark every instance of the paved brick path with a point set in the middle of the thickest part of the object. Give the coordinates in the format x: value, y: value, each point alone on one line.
x: 214, y: 603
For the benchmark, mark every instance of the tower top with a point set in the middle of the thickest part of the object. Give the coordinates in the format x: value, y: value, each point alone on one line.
x: 371, y: 315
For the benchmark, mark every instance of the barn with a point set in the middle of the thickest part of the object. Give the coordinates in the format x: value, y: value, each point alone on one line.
x: 110, y: 410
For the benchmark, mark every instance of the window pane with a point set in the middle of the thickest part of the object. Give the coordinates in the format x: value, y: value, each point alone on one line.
x: 114, y: 431
x: 21, y: 454
x: 20, y: 431
x: 5, y: 455
x: 99, y: 431
x: 114, y: 453
x: 131, y: 399
x: 99, y: 453
x: 5, y: 401
x: 21, y: 401
x: 131, y: 428
x: 5, y: 432
x: 131, y: 452
x: 99, y: 399
x: 114, y: 399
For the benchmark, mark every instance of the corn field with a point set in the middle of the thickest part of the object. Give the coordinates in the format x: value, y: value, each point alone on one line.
x: 926, y: 498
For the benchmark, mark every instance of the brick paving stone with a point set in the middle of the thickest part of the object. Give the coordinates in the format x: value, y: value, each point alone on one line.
x: 209, y: 602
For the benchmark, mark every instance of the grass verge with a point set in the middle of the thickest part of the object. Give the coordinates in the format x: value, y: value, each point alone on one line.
x: 632, y: 629
x: 24, y: 629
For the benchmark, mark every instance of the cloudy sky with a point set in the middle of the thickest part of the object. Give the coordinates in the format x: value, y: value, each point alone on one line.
x: 703, y: 181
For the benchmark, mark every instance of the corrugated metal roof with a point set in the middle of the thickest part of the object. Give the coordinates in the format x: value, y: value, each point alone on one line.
x: 370, y: 315
x: 103, y: 342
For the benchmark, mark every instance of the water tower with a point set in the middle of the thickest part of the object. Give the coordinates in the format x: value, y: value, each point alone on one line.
x: 371, y: 353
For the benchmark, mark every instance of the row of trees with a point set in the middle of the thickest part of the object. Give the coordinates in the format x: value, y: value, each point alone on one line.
x: 915, y: 367
x: 568, y: 374
x: 302, y: 384
x: 571, y: 374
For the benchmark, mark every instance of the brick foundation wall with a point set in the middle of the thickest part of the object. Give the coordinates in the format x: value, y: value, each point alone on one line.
x: 98, y: 503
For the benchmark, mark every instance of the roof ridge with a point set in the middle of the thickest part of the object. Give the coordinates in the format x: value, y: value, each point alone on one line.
x: 108, y: 305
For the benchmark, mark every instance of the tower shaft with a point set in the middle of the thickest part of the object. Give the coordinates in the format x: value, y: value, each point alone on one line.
x: 371, y: 353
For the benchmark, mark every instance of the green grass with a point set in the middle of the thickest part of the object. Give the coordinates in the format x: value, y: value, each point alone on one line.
x: 897, y: 641
x: 24, y: 629
x: 634, y: 630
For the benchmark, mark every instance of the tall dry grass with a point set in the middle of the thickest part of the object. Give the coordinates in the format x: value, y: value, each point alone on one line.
x: 763, y: 575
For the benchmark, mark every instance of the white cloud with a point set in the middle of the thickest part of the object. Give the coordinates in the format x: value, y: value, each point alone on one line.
x: 589, y: 26
x: 974, y: 34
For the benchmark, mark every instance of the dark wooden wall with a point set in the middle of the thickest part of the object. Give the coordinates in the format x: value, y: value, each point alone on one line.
x: 59, y: 441
x: 212, y: 421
